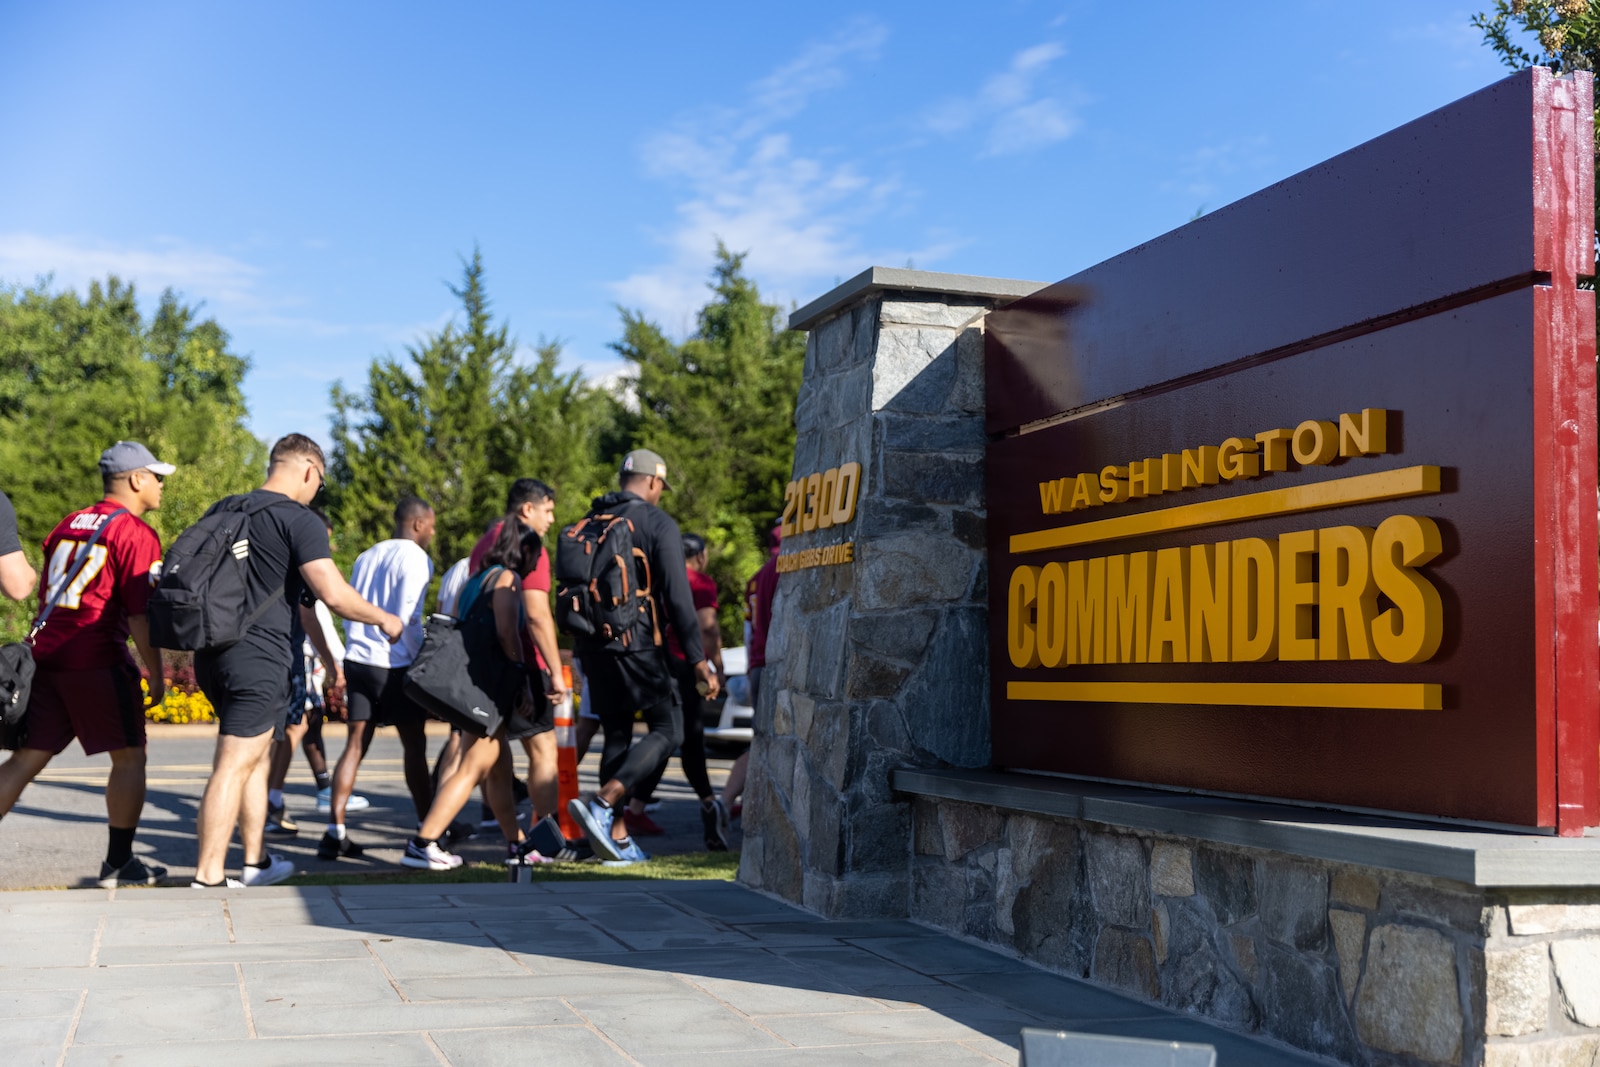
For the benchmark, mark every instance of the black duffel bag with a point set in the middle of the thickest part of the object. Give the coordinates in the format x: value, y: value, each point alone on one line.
x: 461, y: 673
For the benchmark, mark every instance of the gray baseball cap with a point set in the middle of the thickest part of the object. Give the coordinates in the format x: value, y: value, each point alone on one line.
x: 644, y: 461
x: 132, y: 456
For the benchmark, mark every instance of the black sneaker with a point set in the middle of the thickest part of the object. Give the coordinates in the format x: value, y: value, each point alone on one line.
x: 714, y: 818
x: 332, y: 848
x: 279, y: 822
x: 134, y: 872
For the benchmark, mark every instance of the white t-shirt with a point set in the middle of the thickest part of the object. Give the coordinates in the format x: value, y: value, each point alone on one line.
x: 450, y: 586
x: 393, y: 575
x: 316, y: 670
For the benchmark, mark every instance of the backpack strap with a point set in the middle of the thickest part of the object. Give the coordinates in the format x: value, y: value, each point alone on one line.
x: 83, y: 561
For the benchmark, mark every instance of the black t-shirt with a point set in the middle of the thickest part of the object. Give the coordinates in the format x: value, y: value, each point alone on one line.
x: 10, y: 541
x: 283, y: 537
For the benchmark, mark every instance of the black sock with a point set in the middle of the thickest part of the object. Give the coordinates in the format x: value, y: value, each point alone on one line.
x: 120, y: 850
x: 211, y: 885
x: 324, y: 780
x: 259, y: 864
x: 424, y: 842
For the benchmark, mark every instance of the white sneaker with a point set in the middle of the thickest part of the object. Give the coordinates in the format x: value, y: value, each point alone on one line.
x: 357, y: 802
x: 432, y: 858
x: 277, y: 869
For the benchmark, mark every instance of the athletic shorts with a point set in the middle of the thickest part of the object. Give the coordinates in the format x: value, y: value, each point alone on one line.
x: 377, y: 695
x: 297, y: 696
x: 543, y: 721
x: 248, y: 689
x: 102, y: 707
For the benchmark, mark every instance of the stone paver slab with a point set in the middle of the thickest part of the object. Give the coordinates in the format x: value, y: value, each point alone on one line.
x: 335, y: 981
x: 367, y: 1050
x: 170, y: 1013
x: 309, y: 950
x: 551, y: 938
x: 1058, y: 1001
x: 34, y: 1003
x: 569, y: 1046
x: 857, y: 968
x: 407, y: 957
x: 302, y: 1020
x: 621, y: 982
x: 933, y: 1053
x: 122, y: 930
x: 61, y: 949
x: 119, y: 977
x: 854, y: 1028
x: 786, y: 992
x: 659, y: 1024
x: 715, y: 961
x: 940, y: 955
x: 980, y: 1013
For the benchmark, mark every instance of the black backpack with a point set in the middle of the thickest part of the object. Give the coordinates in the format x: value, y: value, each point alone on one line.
x: 203, y: 598
x: 600, y: 598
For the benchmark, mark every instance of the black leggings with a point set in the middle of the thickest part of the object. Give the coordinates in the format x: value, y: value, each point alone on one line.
x: 692, y: 753
x: 619, y: 686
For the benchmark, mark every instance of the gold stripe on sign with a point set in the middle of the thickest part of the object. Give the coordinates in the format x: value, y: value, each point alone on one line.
x: 1424, y: 696
x: 1361, y: 489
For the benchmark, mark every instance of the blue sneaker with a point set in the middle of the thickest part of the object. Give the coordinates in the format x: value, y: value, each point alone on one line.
x: 627, y: 853
x: 595, y: 816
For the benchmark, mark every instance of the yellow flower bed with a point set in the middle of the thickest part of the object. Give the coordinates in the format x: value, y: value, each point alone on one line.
x: 179, y: 706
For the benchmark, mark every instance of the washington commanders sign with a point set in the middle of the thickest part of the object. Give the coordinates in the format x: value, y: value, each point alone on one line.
x: 1298, y: 501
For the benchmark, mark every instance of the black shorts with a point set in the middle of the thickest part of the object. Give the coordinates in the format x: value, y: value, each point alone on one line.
x: 543, y: 719
x: 248, y: 688
x: 622, y: 683
x: 377, y: 694
x: 102, y: 707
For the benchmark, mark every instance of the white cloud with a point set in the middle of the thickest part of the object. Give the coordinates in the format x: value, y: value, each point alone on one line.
x: 1009, y: 109
x: 744, y: 182
x: 1209, y: 171
x: 198, y: 273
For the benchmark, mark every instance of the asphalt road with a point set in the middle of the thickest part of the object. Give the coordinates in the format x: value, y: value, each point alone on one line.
x: 56, y: 835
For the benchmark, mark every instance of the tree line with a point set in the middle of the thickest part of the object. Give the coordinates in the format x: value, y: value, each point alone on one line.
x: 453, y: 419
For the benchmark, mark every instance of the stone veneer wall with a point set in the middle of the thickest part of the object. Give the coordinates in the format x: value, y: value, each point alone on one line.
x: 1363, y: 965
x: 882, y: 663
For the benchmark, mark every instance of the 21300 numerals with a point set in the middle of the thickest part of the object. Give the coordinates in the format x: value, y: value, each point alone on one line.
x: 821, y: 501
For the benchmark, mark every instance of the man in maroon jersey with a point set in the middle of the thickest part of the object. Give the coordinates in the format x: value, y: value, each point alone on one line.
x: 87, y: 686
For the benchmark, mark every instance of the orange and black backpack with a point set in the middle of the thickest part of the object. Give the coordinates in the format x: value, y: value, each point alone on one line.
x: 603, y: 585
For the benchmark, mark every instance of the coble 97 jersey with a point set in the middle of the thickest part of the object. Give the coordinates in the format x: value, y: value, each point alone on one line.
x: 89, y: 626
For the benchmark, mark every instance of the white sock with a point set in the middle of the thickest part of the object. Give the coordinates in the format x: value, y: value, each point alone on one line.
x: 275, y: 798
x: 336, y: 829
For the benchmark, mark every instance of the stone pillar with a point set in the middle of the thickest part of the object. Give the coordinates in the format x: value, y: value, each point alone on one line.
x: 881, y: 662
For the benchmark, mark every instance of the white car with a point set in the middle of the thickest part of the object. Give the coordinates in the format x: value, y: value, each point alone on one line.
x: 728, y: 718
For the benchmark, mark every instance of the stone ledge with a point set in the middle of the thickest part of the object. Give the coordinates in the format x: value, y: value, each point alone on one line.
x: 1482, y: 858
x: 900, y: 280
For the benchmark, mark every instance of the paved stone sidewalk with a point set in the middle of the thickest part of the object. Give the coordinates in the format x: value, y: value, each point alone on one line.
x: 699, y: 973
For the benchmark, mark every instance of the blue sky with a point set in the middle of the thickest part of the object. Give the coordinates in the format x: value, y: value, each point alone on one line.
x: 314, y: 172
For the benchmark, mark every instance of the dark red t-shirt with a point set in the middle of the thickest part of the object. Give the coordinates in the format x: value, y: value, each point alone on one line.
x: 537, y: 579
x: 703, y: 590
x: 89, y: 627
x: 766, y: 587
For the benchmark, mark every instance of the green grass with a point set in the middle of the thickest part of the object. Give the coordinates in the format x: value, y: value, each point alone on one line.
x: 701, y: 866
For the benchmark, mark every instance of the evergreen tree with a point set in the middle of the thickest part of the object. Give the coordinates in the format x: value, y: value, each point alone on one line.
x: 720, y: 409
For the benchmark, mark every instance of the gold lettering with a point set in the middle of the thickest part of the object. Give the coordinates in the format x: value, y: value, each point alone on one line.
x: 848, y: 487
x: 1254, y: 629
x: 1297, y: 595
x: 1371, y: 439
x: 1086, y: 611
x: 1409, y: 632
x: 1144, y: 479
x: 1199, y: 466
x: 1020, y: 624
x: 825, y: 495
x: 1052, y: 625
x: 1348, y: 597
x: 1208, y: 603
x: 1113, y: 485
x: 1315, y: 443
x: 1127, y: 608
x: 1236, y: 458
x: 1274, y: 449
x: 1169, y: 638
x: 1052, y: 496
x: 1085, y: 492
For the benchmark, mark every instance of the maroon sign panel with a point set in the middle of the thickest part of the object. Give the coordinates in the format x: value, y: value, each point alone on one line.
x: 1299, y: 501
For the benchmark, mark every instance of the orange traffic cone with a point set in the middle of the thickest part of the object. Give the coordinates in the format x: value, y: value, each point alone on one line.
x: 566, y: 760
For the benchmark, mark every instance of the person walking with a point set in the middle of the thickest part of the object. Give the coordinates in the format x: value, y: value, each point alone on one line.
x: 17, y: 576
x: 692, y: 753
x: 531, y: 504
x: 492, y: 596
x: 248, y: 681
x: 630, y: 673
x: 393, y: 574
x: 100, y: 563
x: 758, y: 605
